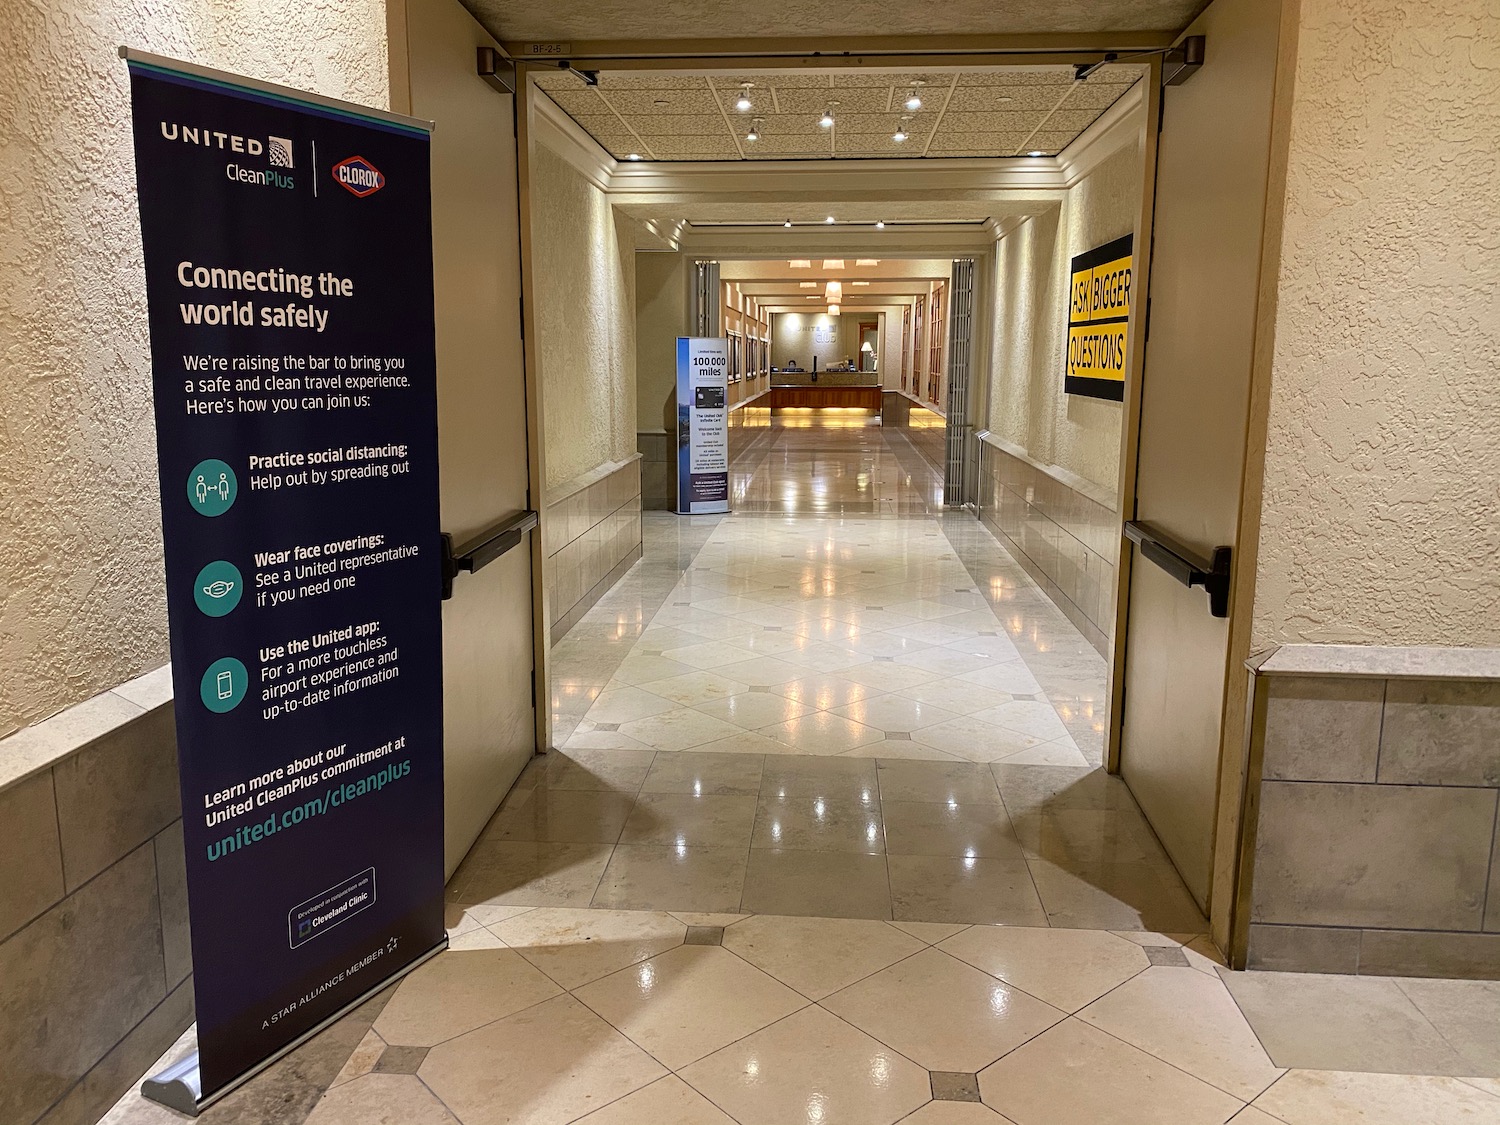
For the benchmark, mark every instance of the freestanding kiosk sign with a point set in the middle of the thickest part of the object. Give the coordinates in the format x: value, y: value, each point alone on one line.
x: 288, y: 261
x: 702, y: 425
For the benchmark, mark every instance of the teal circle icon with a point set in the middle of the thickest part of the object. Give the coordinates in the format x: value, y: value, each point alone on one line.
x: 223, y: 685
x: 212, y: 487
x: 217, y: 588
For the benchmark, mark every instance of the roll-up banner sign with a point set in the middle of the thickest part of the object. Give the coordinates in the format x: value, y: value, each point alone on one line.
x: 288, y: 265
x: 702, y: 425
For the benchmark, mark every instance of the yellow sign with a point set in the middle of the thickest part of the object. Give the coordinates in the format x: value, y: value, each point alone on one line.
x: 1099, y: 319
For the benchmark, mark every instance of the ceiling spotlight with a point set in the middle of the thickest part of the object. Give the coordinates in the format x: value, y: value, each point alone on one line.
x: 742, y: 103
x: 787, y: 224
x: 754, y: 133
x: 829, y: 219
x: 827, y: 119
x: 1035, y: 152
x: 880, y: 224
x: 914, y: 99
x: 633, y: 156
x: 900, y: 134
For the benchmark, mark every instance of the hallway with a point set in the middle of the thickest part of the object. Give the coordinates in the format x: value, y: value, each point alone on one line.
x: 827, y: 841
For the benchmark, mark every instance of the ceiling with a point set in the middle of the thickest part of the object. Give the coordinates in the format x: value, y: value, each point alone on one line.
x: 679, y: 19
x: 776, y: 283
x: 1004, y: 112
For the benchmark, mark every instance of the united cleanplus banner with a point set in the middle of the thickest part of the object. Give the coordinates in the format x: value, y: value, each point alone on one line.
x: 288, y: 263
x: 702, y: 424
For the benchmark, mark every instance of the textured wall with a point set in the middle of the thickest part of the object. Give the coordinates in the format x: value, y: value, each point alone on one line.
x: 1028, y: 344
x: 1380, y: 519
x: 584, y: 287
x: 661, y: 302
x: 81, y: 603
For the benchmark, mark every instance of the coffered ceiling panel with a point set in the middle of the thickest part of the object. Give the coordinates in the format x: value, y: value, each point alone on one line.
x: 671, y: 117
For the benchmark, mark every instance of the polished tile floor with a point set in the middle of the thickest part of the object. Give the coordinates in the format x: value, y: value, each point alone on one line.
x: 825, y: 841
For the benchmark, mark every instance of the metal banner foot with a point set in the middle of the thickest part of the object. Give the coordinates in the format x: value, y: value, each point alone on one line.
x: 178, y: 1087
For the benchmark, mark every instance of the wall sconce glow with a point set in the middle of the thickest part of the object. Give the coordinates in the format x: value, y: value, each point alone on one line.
x: 827, y: 119
x: 742, y: 103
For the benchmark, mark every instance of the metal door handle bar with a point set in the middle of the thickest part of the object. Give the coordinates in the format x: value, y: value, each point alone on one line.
x: 1186, y: 565
x: 484, y: 548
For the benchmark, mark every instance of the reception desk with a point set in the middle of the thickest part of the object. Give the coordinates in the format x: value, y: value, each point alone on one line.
x: 845, y: 390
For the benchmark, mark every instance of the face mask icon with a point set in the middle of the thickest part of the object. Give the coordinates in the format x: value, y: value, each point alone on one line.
x: 219, y: 588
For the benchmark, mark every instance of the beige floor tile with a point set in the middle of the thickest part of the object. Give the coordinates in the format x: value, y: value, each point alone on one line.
x: 622, y: 704
x: 752, y: 710
x: 688, y: 1002
x: 1312, y: 1097
x: 1488, y: 1085
x: 817, y: 884
x: 708, y: 918
x: 1187, y: 1019
x: 493, y: 915
x: 1252, y: 1116
x: 930, y: 932
x: 604, y: 740
x: 955, y: 695
x: 718, y: 774
x: 833, y: 778
x: 1070, y: 837
x: 745, y: 742
x: 764, y: 671
x: 811, y: 1067
x: 894, y: 713
x: 529, y: 874
x: 456, y: 992
x: 680, y: 729
x: 694, y: 688
x: 960, y: 889
x: 1115, y: 896
x: 667, y: 1101
x: 561, y: 1062
x: 637, y: 671
x: 1066, y: 968
x: 1063, y: 752
x: 901, y: 749
x: 1075, y: 1073
x: 821, y: 732
x: 477, y: 938
x: 381, y: 1099
x: 974, y: 739
x: 888, y: 676
x: 1012, y: 676
x: 941, y: 1013
x: 363, y: 1060
x: 936, y: 828
x: 818, y: 824
x: 948, y: 663
x: 563, y: 816
x: 958, y: 783
x: 656, y: 877
x: 1314, y: 1022
x: 1466, y: 1014
x: 711, y: 655
x: 818, y: 956
x: 683, y: 819
x: 1029, y: 789
x: 954, y: 1113
x: 614, y: 770
x: 820, y: 693
x: 1033, y: 717
x: 574, y: 947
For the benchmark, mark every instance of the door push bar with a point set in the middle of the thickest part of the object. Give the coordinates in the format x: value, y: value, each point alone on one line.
x: 484, y: 548
x: 1185, y: 565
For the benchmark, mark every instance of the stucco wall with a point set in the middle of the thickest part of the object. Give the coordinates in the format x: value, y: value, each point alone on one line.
x: 81, y: 602
x: 662, y: 287
x: 1028, y: 344
x: 1381, y: 512
x: 584, y: 288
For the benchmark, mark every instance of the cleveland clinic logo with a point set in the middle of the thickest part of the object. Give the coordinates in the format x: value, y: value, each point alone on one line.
x: 358, y: 176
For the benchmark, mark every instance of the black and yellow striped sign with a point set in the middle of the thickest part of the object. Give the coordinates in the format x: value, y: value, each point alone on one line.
x: 1098, y: 318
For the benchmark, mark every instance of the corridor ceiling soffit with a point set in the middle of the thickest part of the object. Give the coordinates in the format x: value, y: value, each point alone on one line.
x: 777, y: 20
x: 1015, y: 111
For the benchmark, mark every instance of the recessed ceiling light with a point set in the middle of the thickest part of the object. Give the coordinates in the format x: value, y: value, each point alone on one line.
x: 754, y: 133
x: 900, y: 134
x: 829, y: 219
x: 742, y: 103
x: 633, y: 156
x: 788, y: 223
x: 880, y: 224
x: 827, y: 119
x: 807, y: 284
x: 1005, y: 98
x: 1035, y: 152
x: 913, y: 101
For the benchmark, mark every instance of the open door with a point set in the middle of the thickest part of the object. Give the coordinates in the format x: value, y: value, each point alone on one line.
x: 489, y: 727
x: 1212, y: 166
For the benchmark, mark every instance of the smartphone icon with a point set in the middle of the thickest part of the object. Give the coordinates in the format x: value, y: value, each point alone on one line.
x: 224, y: 683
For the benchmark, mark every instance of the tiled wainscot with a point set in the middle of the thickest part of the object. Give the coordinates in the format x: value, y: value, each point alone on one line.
x: 1371, y: 845
x: 591, y: 536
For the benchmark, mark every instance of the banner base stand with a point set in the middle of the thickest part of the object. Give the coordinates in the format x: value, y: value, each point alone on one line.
x: 180, y: 1086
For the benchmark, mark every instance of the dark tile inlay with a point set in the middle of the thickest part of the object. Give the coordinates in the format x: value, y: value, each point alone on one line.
x: 704, y: 935
x: 682, y: 603
x: 607, y: 726
x: 771, y: 628
x: 898, y: 736
x: 886, y: 659
x: 987, y: 633
x: 1021, y: 695
x: 873, y: 608
x: 1167, y: 955
x: 954, y: 1086
x: 401, y: 1060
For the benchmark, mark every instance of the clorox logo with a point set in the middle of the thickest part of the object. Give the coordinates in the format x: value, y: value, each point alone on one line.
x: 359, y: 176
